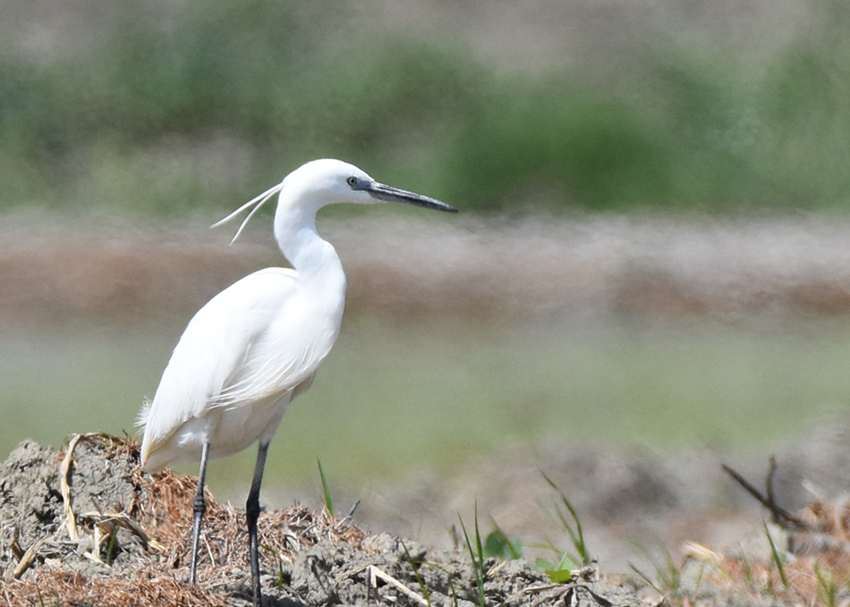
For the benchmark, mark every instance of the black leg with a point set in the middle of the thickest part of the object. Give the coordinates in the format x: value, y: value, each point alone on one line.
x: 252, y: 509
x: 200, y: 507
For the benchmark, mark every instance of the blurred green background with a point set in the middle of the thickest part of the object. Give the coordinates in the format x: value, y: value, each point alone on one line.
x: 166, y: 111
x: 191, y: 104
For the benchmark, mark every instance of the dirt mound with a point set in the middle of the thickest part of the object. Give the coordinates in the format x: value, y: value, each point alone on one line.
x: 88, y: 526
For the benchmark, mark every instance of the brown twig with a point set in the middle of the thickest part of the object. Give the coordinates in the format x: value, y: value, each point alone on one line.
x: 779, y: 515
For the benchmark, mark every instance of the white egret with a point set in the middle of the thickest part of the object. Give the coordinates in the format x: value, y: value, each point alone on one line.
x: 258, y: 344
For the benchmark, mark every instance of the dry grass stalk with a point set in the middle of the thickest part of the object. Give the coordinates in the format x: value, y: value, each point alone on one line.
x: 161, y: 518
x: 815, y: 564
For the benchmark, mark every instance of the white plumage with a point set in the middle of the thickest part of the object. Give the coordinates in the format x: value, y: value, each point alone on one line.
x: 259, y: 343
x: 238, y: 364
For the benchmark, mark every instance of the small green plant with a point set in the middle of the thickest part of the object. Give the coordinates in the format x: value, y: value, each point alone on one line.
x: 826, y: 586
x: 450, y: 578
x: 281, y: 576
x: 777, y: 558
x: 57, y: 602
x: 668, y: 578
x: 476, y: 553
x: 326, y: 490
x: 560, y: 571
x: 498, y: 545
x: 748, y: 571
x: 415, y: 566
x: 112, y: 547
x: 573, y: 529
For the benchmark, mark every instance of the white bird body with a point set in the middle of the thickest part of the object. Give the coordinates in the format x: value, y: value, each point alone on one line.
x: 259, y: 343
x: 241, y: 360
x: 253, y: 347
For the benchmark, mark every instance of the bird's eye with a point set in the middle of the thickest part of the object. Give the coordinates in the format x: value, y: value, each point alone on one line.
x: 352, y: 181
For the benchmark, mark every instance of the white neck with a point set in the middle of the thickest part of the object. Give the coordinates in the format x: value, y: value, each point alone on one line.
x: 312, y: 257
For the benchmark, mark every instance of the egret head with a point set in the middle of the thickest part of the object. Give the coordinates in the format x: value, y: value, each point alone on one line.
x: 319, y: 183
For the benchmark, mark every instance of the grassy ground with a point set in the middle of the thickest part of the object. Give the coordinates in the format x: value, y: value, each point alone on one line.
x: 117, y: 534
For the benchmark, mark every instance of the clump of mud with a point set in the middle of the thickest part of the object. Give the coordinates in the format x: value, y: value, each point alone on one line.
x: 87, y: 526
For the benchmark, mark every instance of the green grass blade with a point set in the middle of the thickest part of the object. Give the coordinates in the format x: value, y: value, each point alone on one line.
x: 499, y: 545
x: 326, y: 490
x: 477, y: 556
x: 777, y: 559
x: 826, y: 586
x: 478, y: 545
x: 422, y: 588
x: 576, y: 536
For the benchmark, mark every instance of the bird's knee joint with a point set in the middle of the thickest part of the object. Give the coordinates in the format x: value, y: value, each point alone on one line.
x: 200, y: 505
x: 253, y: 509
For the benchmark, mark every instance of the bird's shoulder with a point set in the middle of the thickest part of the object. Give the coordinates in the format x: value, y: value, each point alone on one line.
x: 260, y: 285
x: 224, y: 328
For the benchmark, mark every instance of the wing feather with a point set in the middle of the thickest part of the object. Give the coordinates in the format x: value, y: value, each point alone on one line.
x: 255, y: 339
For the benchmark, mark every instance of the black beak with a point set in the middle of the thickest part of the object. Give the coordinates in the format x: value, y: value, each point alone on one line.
x: 390, y: 194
